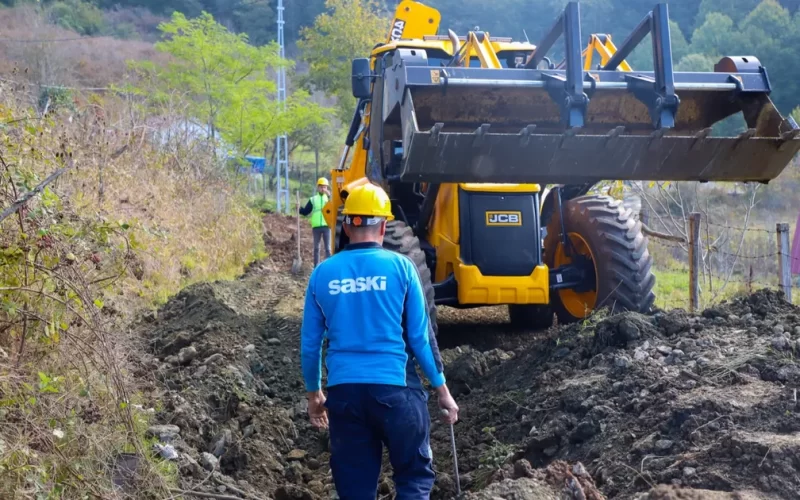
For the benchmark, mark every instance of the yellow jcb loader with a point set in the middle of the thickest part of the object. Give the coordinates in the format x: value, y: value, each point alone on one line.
x: 463, y: 132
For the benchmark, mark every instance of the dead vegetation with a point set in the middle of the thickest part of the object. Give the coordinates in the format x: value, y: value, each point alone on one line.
x: 101, y: 220
x: 36, y: 52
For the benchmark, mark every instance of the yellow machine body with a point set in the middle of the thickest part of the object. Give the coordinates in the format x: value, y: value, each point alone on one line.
x: 463, y: 131
x: 473, y: 286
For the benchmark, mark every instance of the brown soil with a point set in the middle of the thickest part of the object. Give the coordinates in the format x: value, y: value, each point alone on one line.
x: 666, y: 406
x: 280, y: 238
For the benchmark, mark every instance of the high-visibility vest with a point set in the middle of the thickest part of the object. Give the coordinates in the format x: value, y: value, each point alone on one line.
x: 317, y: 202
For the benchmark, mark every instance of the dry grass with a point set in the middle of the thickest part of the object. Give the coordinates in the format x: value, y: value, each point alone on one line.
x: 87, y: 62
x: 188, y: 228
x: 126, y: 226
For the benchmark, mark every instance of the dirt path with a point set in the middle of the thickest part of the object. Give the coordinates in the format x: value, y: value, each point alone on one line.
x: 668, y: 406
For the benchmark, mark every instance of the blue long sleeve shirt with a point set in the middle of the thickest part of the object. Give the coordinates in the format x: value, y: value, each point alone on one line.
x: 369, y: 304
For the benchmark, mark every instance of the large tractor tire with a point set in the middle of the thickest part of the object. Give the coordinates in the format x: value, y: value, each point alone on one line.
x: 530, y: 316
x: 338, y: 233
x: 401, y: 239
x: 602, y: 230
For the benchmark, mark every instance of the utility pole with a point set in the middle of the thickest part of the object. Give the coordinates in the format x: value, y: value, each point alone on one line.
x: 282, y: 142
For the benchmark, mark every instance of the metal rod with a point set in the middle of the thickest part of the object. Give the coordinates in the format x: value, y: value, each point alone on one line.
x: 455, y: 459
x: 426, y: 210
x: 572, y: 45
x: 705, y: 86
x: 662, y: 50
x: 298, y: 225
x: 547, y: 43
x: 630, y: 43
x: 355, y: 123
x: 343, y: 159
x: 538, y: 84
x: 445, y: 413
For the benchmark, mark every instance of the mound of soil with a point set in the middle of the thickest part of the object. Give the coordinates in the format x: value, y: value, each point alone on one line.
x: 280, y: 238
x: 667, y: 406
x: 225, y: 361
x: 706, y: 402
x: 677, y: 493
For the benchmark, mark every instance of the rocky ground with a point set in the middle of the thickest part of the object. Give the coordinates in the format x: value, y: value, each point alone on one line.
x: 665, y: 406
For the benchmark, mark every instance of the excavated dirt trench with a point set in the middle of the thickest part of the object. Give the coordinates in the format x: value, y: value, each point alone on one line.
x: 665, y: 406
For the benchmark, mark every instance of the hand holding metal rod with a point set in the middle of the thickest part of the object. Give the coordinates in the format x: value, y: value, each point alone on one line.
x: 455, y: 455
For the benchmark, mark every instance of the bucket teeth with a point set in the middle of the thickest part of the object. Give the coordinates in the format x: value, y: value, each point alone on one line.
x: 655, y: 139
x: 786, y: 139
x: 570, y: 158
x: 480, y: 134
x: 525, y: 135
x: 565, y: 137
x: 612, y: 137
x: 700, y: 139
x: 743, y: 137
x: 790, y: 135
x: 747, y: 134
x: 435, y: 130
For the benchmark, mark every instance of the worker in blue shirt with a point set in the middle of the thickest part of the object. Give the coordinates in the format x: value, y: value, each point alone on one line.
x: 369, y: 304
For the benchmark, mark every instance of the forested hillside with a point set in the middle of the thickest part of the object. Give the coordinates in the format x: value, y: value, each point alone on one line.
x: 702, y: 31
x: 132, y: 18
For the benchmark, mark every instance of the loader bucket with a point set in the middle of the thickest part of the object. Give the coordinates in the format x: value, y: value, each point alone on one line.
x: 571, y: 126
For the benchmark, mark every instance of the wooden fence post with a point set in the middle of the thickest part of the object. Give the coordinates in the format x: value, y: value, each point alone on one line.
x: 695, y: 263
x: 784, y: 260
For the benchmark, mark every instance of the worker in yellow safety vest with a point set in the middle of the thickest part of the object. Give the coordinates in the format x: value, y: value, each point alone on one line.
x: 319, y: 227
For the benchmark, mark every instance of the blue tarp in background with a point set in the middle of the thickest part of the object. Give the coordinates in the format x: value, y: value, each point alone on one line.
x: 257, y: 164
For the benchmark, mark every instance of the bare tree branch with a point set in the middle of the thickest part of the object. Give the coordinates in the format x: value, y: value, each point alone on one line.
x: 33, y: 192
x: 750, y: 206
x: 662, y: 236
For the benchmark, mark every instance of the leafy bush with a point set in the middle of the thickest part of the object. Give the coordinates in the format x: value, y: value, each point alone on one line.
x: 81, y: 17
x: 52, y: 98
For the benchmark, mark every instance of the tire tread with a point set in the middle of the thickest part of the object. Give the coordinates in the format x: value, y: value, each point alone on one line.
x: 618, y: 245
x: 401, y: 239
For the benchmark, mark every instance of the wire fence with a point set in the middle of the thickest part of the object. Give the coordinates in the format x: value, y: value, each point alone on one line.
x: 712, y: 261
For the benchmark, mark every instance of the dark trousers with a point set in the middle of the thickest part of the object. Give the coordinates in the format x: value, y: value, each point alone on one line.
x: 323, y: 233
x: 363, y: 418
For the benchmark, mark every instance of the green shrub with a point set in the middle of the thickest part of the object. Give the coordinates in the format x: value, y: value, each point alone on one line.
x: 78, y: 16
x: 53, y: 98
